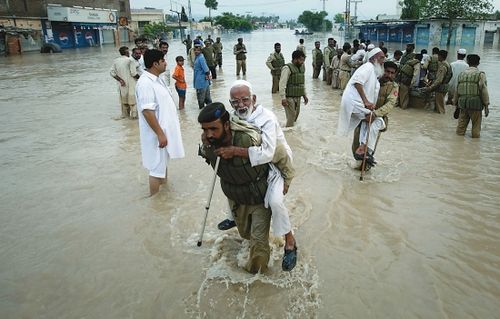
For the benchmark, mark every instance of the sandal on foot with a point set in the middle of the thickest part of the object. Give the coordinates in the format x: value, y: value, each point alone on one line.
x: 226, y: 224
x: 289, y: 259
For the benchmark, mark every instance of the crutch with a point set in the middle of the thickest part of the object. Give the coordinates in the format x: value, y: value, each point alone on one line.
x: 209, y: 199
x: 366, y: 148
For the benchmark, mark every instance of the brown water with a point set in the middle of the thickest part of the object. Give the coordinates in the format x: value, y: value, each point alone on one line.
x: 420, y: 238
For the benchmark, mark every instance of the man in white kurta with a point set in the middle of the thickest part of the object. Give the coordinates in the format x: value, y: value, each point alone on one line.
x: 124, y: 71
x: 359, y: 99
x: 457, y: 67
x: 272, y: 138
x: 159, y: 126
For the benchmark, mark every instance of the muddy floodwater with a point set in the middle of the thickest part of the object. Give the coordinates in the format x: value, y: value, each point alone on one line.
x: 79, y: 238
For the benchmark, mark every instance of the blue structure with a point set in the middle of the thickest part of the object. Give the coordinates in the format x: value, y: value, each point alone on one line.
x: 387, y: 31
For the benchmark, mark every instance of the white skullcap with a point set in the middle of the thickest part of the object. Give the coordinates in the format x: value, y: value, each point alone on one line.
x: 241, y: 83
x: 373, y: 52
x: 362, y: 45
x: 462, y: 51
x: 371, y: 46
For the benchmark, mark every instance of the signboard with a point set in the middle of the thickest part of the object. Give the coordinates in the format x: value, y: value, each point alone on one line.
x: 69, y: 14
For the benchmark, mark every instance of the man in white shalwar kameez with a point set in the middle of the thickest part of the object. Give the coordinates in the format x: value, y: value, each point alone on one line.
x: 279, y: 178
x: 359, y: 100
x: 159, y: 126
x: 124, y: 71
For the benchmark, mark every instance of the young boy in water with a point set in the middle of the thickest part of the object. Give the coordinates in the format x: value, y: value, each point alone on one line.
x: 180, y: 81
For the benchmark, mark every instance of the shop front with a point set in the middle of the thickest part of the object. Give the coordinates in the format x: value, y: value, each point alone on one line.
x: 72, y: 27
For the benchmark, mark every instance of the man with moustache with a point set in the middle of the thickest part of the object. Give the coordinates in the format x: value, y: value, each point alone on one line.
x: 292, y: 87
x: 317, y: 59
x: 274, y: 150
x: 386, y: 101
x: 165, y: 75
x: 159, y: 128
x: 360, y: 97
x: 243, y: 184
x: 275, y: 62
x: 136, y: 56
x: 124, y: 71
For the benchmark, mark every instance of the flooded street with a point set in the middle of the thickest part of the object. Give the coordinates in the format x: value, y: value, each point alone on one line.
x: 79, y: 238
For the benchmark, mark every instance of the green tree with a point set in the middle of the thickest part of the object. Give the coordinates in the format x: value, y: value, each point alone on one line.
x: 211, y: 5
x: 314, y: 20
x: 153, y: 29
x: 452, y: 10
x: 339, y: 18
x: 411, y: 8
x: 236, y: 22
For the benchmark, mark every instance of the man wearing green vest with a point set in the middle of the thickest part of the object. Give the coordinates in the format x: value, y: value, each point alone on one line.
x: 240, y: 50
x: 218, y: 51
x: 292, y: 87
x: 275, y: 62
x: 328, y: 54
x: 317, y: 62
x: 209, y: 54
x: 471, y: 97
x: 440, y: 85
x: 243, y: 184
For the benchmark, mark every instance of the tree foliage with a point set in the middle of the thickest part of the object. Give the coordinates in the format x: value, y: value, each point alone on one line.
x: 452, y: 10
x: 211, y: 5
x: 339, y: 18
x: 236, y: 22
x: 314, y: 20
x: 411, y: 8
x: 155, y: 29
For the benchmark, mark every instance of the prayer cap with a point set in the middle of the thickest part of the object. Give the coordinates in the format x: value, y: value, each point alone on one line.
x: 211, y: 112
x: 462, y: 51
x: 371, y: 46
x: 373, y: 52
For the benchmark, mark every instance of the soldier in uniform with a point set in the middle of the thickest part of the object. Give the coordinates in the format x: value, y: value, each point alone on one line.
x: 386, y: 101
x: 345, y: 66
x: 209, y: 54
x: 409, y: 54
x: 471, y: 97
x: 275, y: 62
x: 317, y: 57
x: 292, y: 87
x: 440, y: 85
x: 218, y: 51
x: 336, y: 69
x: 407, y: 78
x: 328, y: 54
x: 432, y: 65
x: 243, y: 184
x: 240, y: 50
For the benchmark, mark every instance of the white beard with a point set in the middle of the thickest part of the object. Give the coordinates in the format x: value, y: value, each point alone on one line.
x: 245, y: 114
x: 379, y: 70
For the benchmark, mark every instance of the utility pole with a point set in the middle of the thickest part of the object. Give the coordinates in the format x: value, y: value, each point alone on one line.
x: 324, y: 21
x: 355, y: 20
x: 190, y: 19
x: 181, y: 31
x: 347, y: 20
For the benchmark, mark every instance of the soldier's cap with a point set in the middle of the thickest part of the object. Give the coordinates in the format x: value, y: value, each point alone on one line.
x: 207, y: 41
x: 462, y: 51
x: 211, y: 112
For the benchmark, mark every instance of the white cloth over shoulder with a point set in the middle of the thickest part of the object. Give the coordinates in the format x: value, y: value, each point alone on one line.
x: 352, y: 107
x: 271, y: 133
x: 153, y: 95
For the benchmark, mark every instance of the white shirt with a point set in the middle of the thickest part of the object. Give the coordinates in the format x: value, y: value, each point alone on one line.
x: 457, y: 67
x: 141, y: 63
x: 165, y: 76
x: 351, y: 100
x: 138, y: 67
x: 151, y: 94
x: 271, y: 133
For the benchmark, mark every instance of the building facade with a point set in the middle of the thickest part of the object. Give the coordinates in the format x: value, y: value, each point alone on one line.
x: 68, y: 23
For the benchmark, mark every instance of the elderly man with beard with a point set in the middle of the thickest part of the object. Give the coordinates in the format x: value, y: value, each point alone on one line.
x: 359, y: 99
x: 387, y: 100
x: 244, y: 183
x: 273, y: 150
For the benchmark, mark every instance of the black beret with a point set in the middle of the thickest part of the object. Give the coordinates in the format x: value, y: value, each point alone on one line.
x: 211, y: 112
